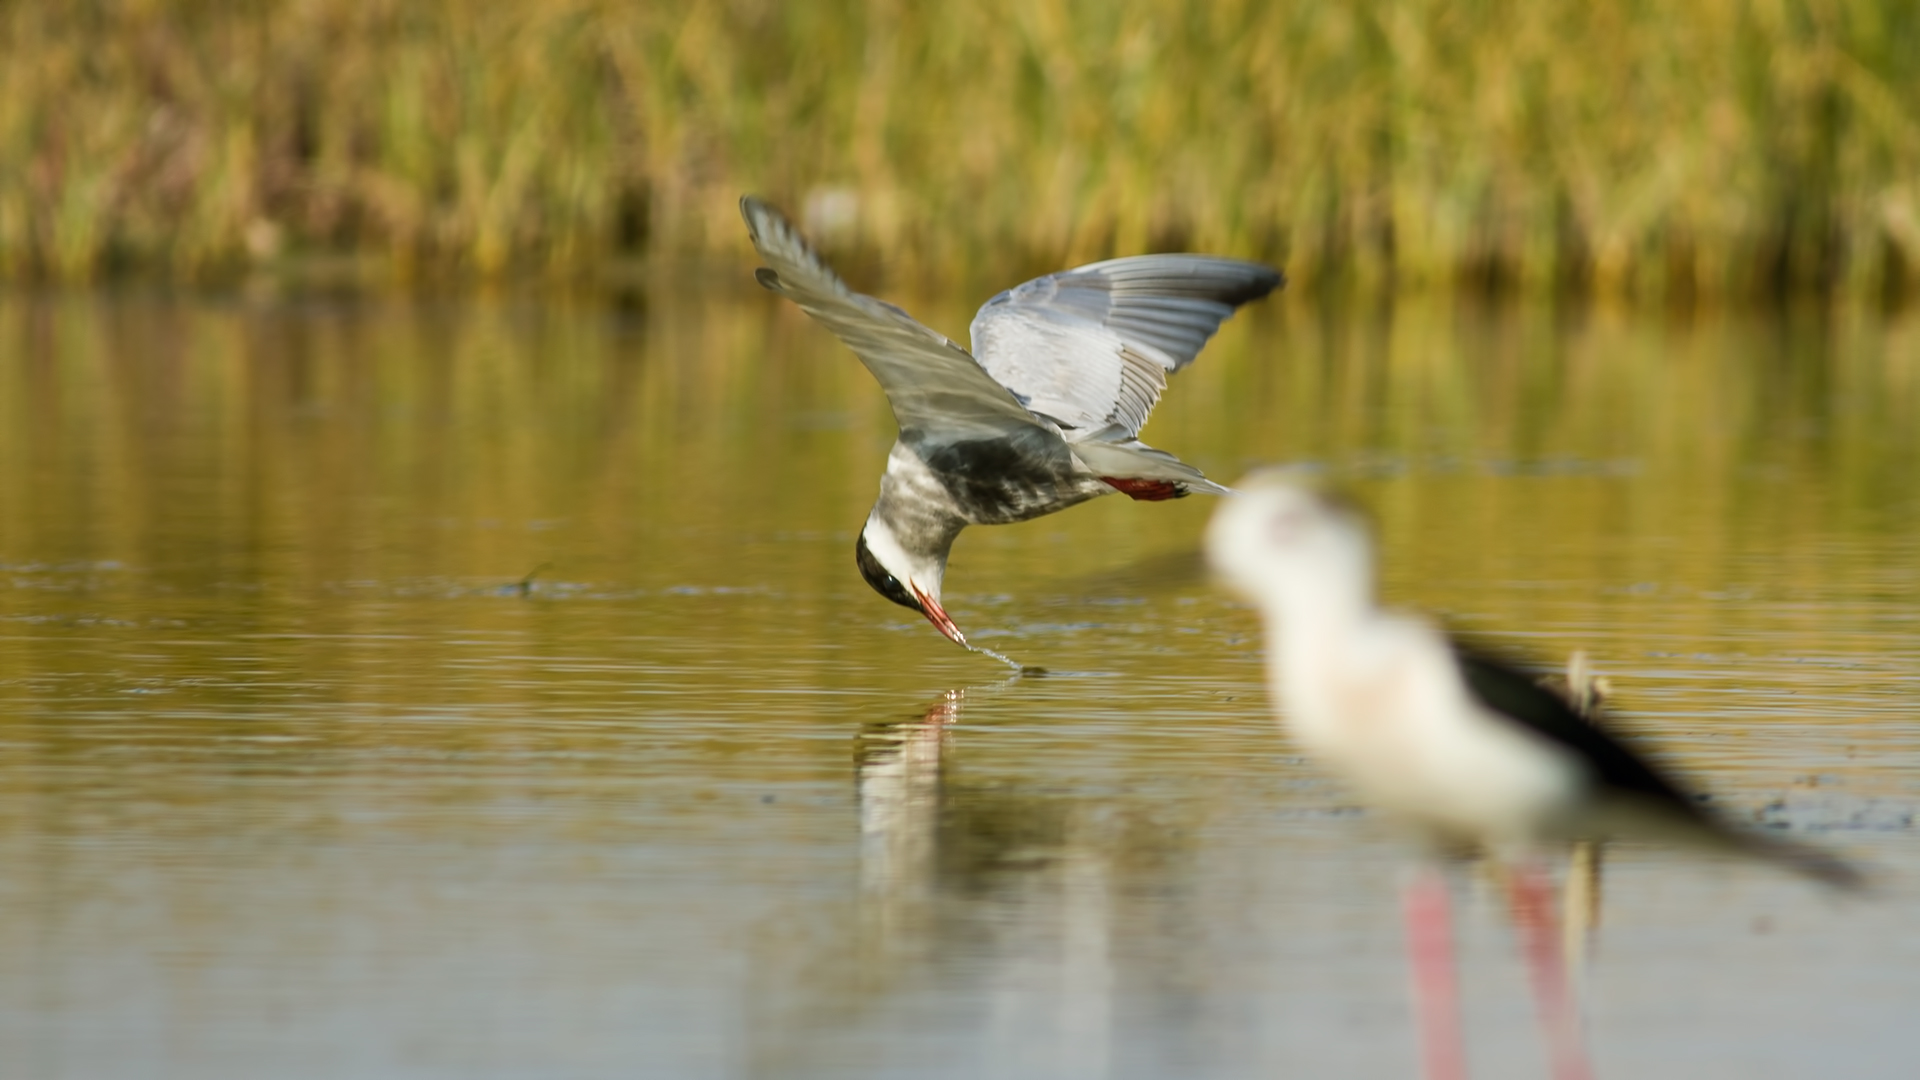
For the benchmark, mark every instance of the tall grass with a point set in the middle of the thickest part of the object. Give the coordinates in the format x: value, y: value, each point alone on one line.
x: 1717, y: 147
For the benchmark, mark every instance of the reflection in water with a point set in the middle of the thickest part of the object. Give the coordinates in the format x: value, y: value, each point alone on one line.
x: 901, y: 800
x: 1581, y: 895
x: 935, y: 853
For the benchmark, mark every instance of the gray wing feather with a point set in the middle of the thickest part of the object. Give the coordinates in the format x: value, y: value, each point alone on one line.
x: 1092, y: 348
x: 932, y: 383
x: 1136, y: 460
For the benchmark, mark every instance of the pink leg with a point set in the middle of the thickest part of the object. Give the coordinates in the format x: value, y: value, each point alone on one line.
x: 1435, y: 999
x: 1531, y: 895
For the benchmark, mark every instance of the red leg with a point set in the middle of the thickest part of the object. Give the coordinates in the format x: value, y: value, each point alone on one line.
x: 1531, y: 895
x: 1435, y: 997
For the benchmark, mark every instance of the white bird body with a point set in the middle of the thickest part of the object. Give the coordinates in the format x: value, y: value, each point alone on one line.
x: 1459, y: 774
x: 1468, y: 750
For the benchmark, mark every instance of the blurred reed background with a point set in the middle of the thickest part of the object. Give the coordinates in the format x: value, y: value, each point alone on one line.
x: 1717, y: 148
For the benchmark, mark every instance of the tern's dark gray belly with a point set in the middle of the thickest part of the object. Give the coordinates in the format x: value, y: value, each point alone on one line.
x: 1000, y: 480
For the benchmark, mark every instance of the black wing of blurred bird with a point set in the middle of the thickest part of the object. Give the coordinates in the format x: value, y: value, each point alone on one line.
x: 1506, y: 690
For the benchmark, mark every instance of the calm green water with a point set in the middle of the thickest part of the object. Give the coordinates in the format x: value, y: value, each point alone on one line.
x: 296, y: 782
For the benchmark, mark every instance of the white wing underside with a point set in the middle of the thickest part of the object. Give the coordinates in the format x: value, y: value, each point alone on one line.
x: 1092, y: 348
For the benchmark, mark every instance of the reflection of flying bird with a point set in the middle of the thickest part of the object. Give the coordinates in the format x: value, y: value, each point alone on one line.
x: 1470, y: 752
x: 1043, y: 414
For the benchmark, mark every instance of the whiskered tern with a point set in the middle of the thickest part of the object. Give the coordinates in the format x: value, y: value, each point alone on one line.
x: 1044, y: 413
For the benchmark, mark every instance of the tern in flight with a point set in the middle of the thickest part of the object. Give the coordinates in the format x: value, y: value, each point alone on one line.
x: 1045, y: 411
x: 1468, y: 751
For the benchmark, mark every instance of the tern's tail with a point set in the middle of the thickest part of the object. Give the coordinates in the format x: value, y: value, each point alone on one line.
x: 1135, y: 460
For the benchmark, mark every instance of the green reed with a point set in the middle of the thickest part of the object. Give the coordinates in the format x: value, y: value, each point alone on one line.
x: 1718, y: 148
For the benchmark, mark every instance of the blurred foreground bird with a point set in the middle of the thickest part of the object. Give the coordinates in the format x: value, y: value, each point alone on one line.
x: 1470, y: 753
x: 1043, y: 414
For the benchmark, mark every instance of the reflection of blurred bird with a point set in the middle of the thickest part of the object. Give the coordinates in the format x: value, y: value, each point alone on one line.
x: 1471, y: 753
x: 1586, y: 693
x: 1044, y: 414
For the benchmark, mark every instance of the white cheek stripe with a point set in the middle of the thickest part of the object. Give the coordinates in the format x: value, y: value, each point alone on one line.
x: 894, y: 558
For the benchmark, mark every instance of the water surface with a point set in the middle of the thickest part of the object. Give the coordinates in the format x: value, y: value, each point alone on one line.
x: 303, y: 775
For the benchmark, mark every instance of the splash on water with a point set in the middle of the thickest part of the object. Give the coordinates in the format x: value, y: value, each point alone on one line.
x: 1009, y: 661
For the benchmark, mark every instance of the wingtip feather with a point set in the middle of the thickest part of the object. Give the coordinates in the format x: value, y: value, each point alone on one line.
x: 752, y: 210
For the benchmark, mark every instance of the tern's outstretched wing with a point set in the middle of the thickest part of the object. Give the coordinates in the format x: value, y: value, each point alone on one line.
x: 1092, y: 348
x: 933, y: 384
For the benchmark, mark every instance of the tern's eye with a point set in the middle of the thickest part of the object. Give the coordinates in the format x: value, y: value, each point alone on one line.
x: 880, y: 580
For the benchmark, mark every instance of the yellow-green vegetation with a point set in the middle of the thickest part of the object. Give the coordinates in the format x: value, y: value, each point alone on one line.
x: 1708, y: 148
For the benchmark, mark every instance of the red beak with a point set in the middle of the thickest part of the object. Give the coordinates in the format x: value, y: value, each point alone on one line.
x: 937, y: 615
